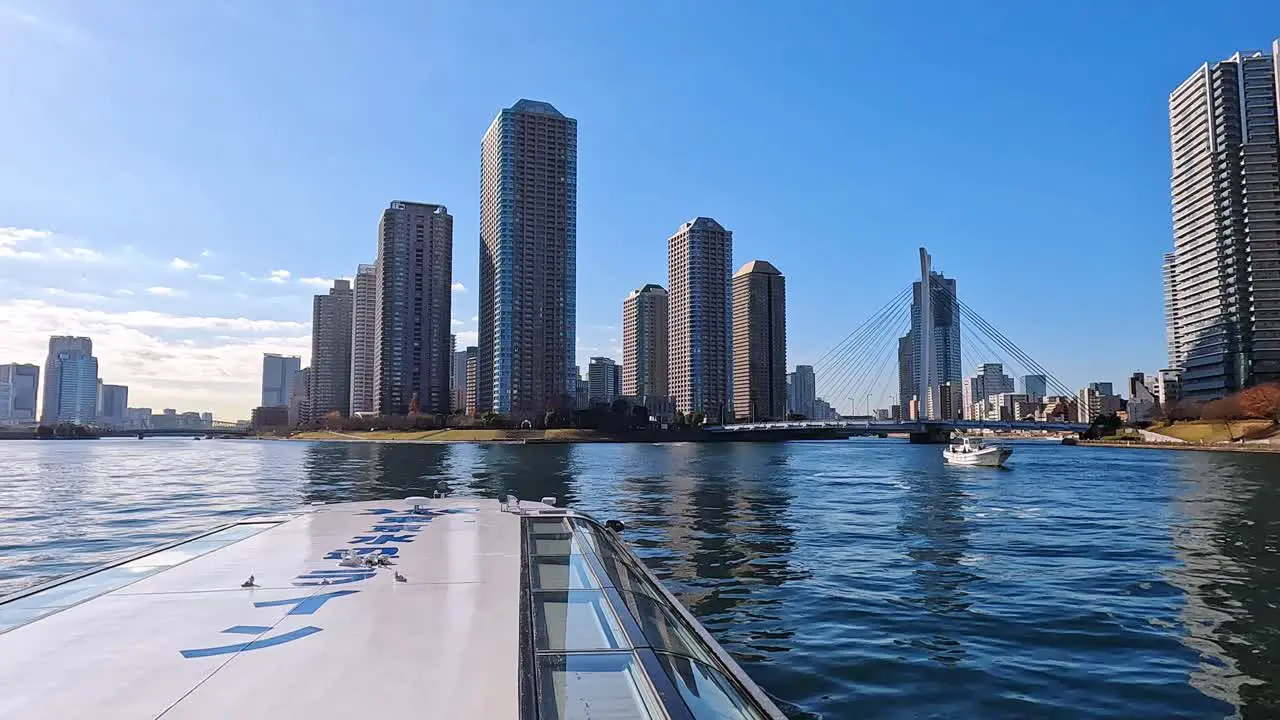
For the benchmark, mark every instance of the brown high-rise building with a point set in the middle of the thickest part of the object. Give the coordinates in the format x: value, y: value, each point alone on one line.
x: 759, y: 342
x: 645, y: 342
x: 699, y: 260
x: 411, y: 335
x: 329, y: 387
x: 528, y: 261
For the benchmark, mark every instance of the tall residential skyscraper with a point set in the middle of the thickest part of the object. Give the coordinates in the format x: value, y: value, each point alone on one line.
x: 278, y: 372
x: 759, y: 342
x: 458, y: 380
x: 946, y: 340
x: 1222, y: 283
x: 364, y: 320
x: 473, y: 357
x: 803, y: 391
x: 528, y: 260
x: 70, y: 381
x: 411, y: 335
x: 604, y: 381
x: 699, y: 258
x: 645, y: 342
x: 19, y: 387
x: 329, y: 384
x: 907, y: 388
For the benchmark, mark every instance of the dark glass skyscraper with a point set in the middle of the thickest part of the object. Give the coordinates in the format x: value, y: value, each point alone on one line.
x: 528, y: 261
x: 946, y: 341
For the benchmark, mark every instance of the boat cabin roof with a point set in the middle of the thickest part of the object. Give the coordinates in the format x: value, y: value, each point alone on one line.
x: 453, y: 609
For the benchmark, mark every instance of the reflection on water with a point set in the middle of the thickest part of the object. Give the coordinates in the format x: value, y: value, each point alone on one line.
x: 858, y: 579
x: 1228, y: 539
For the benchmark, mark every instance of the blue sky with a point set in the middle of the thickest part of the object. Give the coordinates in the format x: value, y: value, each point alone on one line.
x: 1025, y: 144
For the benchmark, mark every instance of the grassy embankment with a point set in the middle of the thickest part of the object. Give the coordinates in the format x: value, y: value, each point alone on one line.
x: 1217, y: 431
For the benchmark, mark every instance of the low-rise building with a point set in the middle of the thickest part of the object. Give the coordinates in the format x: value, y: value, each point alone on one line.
x: 266, y: 418
x: 661, y: 408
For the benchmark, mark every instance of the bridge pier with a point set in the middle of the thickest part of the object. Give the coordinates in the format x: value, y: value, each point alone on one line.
x: 932, y: 435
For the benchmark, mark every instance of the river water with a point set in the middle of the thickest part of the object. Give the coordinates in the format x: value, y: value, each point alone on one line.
x: 859, y: 579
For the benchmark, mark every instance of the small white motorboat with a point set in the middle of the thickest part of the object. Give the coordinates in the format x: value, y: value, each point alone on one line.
x: 972, y: 451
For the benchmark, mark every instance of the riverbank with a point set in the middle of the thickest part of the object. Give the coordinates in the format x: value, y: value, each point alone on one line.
x: 488, y: 435
x: 1255, y: 447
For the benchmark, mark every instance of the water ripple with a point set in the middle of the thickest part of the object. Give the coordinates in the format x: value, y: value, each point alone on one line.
x: 854, y: 579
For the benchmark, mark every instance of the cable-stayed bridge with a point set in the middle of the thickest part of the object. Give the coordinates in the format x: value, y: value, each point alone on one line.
x: 908, y: 355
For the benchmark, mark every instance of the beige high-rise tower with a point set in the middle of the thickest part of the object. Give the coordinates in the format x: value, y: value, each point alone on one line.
x: 759, y: 343
x: 645, y: 342
x: 699, y: 260
x: 364, y: 321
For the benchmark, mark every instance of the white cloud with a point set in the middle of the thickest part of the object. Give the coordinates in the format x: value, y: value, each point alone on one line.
x: 468, y: 337
x: 210, y: 276
x: 163, y: 291
x: 180, y: 264
x: 30, y: 244
x: 455, y: 322
x: 74, y: 295
x: 12, y: 237
x: 206, y: 253
x: 279, y: 276
x: 314, y: 281
x: 475, y: 318
x: 188, y: 362
x: 78, y: 254
x: 458, y: 287
x: 124, y: 291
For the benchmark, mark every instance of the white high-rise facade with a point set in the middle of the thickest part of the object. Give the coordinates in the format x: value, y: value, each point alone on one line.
x: 70, y: 381
x: 364, y: 319
x: 1222, y: 280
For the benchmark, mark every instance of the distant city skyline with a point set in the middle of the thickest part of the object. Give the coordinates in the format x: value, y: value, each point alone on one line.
x: 183, y: 319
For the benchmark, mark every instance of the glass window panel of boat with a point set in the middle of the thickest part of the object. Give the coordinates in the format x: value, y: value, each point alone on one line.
x: 548, y: 526
x: 663, y: 629
x: 82, y: 588
x: 563, y: 544
x: 706, y: 691
x: 563, y: 572
x: 575, y: 620
x: 594, y: 535
x: 622, y: 570
x: 595, y: 685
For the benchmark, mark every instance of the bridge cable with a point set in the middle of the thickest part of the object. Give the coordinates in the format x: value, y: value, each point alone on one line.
x: 850, y: 345
x: 871, y: 356
x: 835, y: 369
x: 853, y: 359
x: 1000, y: 338
x: 892, y: 302
x: 968, y: 312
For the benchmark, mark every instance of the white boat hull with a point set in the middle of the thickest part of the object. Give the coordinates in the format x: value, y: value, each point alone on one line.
x: 987, y: 457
